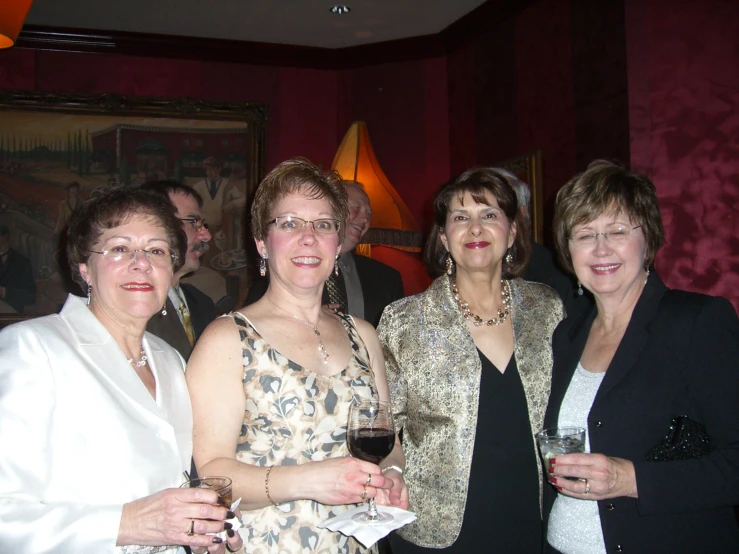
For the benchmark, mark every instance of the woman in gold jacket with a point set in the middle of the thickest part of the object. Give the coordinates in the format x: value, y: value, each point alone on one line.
x: 469, y: 364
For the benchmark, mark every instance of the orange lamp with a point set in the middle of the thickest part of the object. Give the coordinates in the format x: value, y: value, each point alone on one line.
x: 392, y: 223
x: 12, y: 15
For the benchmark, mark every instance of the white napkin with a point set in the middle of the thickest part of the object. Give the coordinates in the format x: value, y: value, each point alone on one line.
x: 368, y: 534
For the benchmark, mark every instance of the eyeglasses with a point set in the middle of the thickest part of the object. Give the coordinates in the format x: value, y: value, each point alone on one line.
x: 290, y: 224
x: 197, y: 222
x: 158, y: 257
x: 615, y: 235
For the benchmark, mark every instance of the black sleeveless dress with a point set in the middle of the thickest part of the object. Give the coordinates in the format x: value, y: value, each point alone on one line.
x: 502, y: 511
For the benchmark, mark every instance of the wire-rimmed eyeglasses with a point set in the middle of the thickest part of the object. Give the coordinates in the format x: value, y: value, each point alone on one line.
x: 197, y: 222
x: 292, y: 224
x: 614, y: 235
x: 158, y: 256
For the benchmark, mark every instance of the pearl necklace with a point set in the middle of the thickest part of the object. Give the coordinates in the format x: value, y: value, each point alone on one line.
x: 321, y: 346
x: 141, y: 362
x: 477, y: 321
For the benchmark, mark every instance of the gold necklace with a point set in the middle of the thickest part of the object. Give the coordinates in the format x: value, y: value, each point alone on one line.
x: 321, y: 346
x: 477, y: 321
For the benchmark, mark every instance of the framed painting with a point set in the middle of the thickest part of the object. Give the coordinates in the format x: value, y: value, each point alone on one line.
x: 59, y: 150
x: 528, y: 169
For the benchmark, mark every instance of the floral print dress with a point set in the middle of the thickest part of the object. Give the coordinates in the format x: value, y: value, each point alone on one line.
x: 294, y: 416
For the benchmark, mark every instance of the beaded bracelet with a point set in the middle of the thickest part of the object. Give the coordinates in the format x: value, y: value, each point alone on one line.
x: 266, y: 485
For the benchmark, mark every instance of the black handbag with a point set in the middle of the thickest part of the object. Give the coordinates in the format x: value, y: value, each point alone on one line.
x: 685, y: 440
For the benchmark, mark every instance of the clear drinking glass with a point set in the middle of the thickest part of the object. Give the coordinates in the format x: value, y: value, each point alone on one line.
x: 557, y: 441
x: 371, y: 437
x: 222, y: 486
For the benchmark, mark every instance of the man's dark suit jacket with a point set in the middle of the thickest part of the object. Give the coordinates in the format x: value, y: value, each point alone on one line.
x: 17, y: 278
x: 679, y: 356
x: 170, y: 328
x: 381, y: 285
x: 543, y: 268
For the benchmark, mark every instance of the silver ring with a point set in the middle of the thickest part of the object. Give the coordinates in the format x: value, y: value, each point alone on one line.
x: 587, y: 487
x: 191, y: 531
x: 364, y: 493
x: 369, y: 479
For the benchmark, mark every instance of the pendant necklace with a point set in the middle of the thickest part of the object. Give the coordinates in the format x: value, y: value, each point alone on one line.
x: 321, y: 346
x: 477, y: 321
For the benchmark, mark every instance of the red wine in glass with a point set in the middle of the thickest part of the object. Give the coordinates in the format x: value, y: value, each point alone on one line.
x: 371, y: 437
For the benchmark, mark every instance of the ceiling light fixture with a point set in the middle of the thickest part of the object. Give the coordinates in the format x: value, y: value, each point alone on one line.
x: 12, y: 16
x: 340, y: 9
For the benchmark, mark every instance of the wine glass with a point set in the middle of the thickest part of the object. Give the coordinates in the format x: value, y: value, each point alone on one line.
x: 371, y: 437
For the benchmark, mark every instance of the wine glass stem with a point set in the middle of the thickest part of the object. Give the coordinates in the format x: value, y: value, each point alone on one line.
x: 372, y: 510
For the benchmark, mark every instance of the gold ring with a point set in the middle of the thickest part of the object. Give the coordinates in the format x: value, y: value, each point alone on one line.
x: 364, y: 493
x: 191, y: 532
x: 587, y: 487
x: 369, y: 479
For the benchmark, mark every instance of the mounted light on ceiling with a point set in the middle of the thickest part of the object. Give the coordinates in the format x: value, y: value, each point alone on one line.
x: 12, y: 15
x: 392, y: 223
x: 340, y: 9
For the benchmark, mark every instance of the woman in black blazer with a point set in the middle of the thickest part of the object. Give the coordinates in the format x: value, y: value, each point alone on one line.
x: 643, y: 356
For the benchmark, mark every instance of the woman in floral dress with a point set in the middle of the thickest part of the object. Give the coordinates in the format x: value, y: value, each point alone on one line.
x: 271, y: 384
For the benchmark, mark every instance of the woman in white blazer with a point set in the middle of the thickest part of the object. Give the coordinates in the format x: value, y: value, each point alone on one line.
x: 95, y: 418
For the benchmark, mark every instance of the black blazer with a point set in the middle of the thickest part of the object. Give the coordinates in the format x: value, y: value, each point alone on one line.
x: 170, y: 328
x: 381, y: 285
x: 678, y: 356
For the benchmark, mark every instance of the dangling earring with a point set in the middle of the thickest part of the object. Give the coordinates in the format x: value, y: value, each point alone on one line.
x: 263, y: 266
x: 336, y: 267
x: 164, y: 310
x: 646, y: 277
x: 509, y: 257
x: 579, y: 288
x: 449, y: 265
x: 89, y: 292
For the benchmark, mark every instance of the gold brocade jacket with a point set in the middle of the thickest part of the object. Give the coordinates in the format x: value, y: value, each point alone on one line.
x: 433, y: 371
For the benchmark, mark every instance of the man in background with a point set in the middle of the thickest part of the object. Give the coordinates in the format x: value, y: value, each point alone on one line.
x: 364, y: 286
x: 189, y: 310
x: 17, y: 286
x: 543, y: 267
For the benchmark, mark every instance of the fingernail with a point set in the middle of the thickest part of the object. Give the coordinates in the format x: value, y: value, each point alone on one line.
x: 217, y: 540
x: 230, y: 515
x: 222, y: 501
x: 552, y: 461
x: 553, y: 481
x: 230, y: 532
x: 227, y: 525
x: 558, y: 488
x: 551, y: 470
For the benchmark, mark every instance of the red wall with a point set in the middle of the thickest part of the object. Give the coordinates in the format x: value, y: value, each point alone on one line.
x: 684, y: 118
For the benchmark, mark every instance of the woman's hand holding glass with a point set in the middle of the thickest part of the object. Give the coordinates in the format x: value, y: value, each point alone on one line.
x: 176, y: 517
x: 397, y: 494
x: 601, y: 476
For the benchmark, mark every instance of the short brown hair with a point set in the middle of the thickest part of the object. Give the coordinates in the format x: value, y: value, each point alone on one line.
x: 112, y: 209
x: 602, y: 188
x: 478, y: 182
x: 297, y: 176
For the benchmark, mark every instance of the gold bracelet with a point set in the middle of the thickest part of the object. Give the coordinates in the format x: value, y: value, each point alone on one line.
x: 266, y: 485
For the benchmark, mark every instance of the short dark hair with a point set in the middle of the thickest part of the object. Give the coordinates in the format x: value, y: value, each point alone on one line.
x: 170, y: 186
x: 73, y: 185
x: 298, y: 175
x: 604, y: 187
x: 112, y: 209
x: 478, y: 182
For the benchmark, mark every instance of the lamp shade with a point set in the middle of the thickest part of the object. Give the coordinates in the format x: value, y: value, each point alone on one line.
x: 12, y: 15
x: 392, y: 223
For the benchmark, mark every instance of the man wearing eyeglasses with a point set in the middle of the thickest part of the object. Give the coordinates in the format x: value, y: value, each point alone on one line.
x: 189, y: 310
x: 364, y: 287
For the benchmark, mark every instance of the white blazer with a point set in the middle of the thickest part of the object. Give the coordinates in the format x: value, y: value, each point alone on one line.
x: 80, y: 434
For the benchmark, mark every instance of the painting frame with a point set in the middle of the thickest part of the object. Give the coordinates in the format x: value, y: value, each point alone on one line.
x: 246, y: 120
x: 528, y: 169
